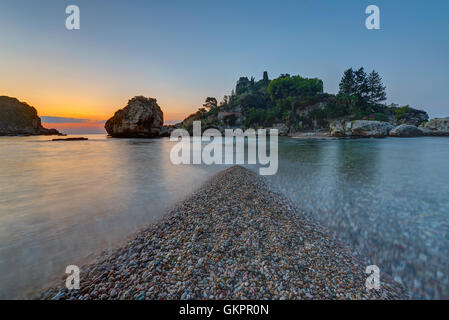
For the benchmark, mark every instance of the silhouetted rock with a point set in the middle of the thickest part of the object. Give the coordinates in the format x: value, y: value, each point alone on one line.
x: 18, y: 118
x: 141, y: 118
x: 71, y: 139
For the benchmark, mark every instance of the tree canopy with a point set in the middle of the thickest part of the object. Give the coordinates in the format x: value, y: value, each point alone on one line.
x: 296, y: 86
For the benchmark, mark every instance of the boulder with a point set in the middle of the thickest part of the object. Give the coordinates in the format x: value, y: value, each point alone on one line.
x: 282, y: 128
x: 413, y: 117
x: 406, y: 130
x: 338, y: 128
x: 141, y: 118
x: 18, y: 118
x: 437, y: 127
x: 360, y: 128
x: 367, y: 128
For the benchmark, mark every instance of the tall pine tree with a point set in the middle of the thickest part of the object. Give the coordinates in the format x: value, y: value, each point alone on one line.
x: 348, y: 83
x: 361, y: 85
x: 376, y: 90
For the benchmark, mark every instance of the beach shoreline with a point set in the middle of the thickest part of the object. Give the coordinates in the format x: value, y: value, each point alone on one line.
x: 234, y: 238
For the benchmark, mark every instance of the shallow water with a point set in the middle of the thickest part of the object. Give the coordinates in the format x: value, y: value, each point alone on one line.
x: 386, y: 198
x: 62, y: 202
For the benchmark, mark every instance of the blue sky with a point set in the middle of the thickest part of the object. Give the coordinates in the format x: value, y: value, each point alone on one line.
x: 183, y: 51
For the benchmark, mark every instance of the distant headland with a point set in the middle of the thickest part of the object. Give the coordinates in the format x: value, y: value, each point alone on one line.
x: 18, y: 118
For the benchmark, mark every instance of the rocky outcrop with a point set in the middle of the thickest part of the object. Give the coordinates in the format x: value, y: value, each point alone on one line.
x: 141, y: 118
x: 283, y: 130
x: 360, y: 128
x: 338, y: 129
x: 406, y: 130
x: 411, y: 116
x: 366, y: 128
x: 437, y: 127
x: 18, y: 118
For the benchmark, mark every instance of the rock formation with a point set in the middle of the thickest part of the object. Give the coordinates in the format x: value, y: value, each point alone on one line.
x: 282, y: 129
x: 360, y: 128
x: 18, y: 118
x: 437, y: 127
x: 338, y: 128
x: 366, y: 128
x: 141, y: 118
x: 406, y: 130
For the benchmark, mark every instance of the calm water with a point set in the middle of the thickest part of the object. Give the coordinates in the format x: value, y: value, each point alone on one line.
x: 62, y: 202
x: 386, y: 198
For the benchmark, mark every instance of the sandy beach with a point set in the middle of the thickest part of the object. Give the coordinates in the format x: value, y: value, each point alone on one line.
x: 232, y: 239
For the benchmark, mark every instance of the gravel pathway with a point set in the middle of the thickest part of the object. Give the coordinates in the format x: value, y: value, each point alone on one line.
x: 233, y: 239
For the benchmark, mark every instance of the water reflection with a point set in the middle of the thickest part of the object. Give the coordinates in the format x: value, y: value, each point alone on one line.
x: 62, y: 202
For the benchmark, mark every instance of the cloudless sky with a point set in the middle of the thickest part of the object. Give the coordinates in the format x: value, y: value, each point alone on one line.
x: 180, y: 52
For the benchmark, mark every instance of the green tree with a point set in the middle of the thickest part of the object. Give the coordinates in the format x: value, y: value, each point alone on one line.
x: 361, y: 85
x: 348, y: 83
x: 287, y: 87
x: 375, y: 88
x: 210, y: 103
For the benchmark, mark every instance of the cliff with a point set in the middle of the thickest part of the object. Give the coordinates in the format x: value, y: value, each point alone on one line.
x: 18, y: 118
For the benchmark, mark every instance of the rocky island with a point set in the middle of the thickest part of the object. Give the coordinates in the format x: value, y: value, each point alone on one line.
x: 141, y: 118
x: 18, y: 118
x: 298, y: 107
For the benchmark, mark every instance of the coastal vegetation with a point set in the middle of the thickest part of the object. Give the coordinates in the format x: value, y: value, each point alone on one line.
x: 300, y: 103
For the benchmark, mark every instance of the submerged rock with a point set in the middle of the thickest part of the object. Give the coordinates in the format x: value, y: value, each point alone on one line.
x: 406, y: 130
x: 18, y: 118
x: 71, y: 139
x: 141, y: 118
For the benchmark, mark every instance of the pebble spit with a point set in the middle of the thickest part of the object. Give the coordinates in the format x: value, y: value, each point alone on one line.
x: 233, y: 239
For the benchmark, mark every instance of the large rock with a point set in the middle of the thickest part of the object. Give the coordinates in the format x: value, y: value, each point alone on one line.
x: 437, y: 127
x: 18, y: 118
x: 141, y: 118
x: 367, y: 128
x: 406, y: 130
x: 360, y: 128
x: 338, y: 128
x: 282, y: 129
x: 411, y: 116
